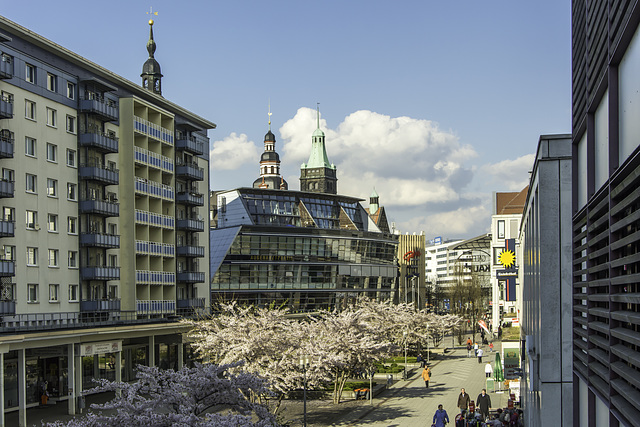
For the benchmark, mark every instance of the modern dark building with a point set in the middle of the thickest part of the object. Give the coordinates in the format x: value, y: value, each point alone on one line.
x: 606, y: 209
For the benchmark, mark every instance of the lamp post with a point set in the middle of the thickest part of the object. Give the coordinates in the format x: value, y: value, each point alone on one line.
x: 404, y: 335
x: 304, y: 364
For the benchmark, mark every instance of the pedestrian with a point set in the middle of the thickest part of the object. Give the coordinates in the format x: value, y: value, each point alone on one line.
x: 440, y: 418
x: 488, y: 370
x: 499, y: 331
x: 463, y: 400
x: 484, y: 403
x: 475, y: 348
x: 469, y: 342
x: 491, y: 346
x: 468, y: 350
x: 420, y: 360
x: 426, y: 375
x: 479, y: 354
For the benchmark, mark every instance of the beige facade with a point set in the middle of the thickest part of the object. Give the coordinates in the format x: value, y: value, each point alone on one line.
x: 411, y: 283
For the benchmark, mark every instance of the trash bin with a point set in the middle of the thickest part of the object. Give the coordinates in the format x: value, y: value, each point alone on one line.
x: 389, y: 380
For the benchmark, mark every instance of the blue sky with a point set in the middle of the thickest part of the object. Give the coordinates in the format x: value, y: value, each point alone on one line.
x: 436, y: 104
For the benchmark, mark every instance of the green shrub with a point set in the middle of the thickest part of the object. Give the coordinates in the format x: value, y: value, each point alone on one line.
x: 352, y: 385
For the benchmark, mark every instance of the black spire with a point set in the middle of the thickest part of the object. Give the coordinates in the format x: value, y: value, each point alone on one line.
x: 151, y: 75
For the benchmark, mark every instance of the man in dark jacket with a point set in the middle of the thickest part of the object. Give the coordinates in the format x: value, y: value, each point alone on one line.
x: 463, y: 400
x: 484, y: 403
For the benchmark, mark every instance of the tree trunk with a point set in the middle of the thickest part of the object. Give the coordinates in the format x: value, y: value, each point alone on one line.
x: 338, y: 387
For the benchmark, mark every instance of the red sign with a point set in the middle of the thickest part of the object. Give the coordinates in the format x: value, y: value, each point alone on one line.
x: 411, y: 254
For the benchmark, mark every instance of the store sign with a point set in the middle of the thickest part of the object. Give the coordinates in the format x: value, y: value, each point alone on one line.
x: 505, y: 274
x: 511, y: 362
x: 89, y: 349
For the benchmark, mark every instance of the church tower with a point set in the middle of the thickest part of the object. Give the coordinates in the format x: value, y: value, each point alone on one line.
x: 318, y: 175
x: 151, y: 75
x: 377, y: 213
x: 270, y: 164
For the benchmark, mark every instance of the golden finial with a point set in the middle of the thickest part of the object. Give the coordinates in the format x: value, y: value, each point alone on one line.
x: 269, y: 114
x: 152, y: 13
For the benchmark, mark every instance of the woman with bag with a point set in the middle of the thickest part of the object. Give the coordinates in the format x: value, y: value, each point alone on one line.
x: 440, y: 418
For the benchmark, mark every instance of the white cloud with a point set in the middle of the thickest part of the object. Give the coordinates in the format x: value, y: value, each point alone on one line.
x: 510, y: 175
x: 461, y: 222
x: 233, y: 152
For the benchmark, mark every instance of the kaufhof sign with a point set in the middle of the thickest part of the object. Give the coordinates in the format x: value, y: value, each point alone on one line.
x: 90, y: 349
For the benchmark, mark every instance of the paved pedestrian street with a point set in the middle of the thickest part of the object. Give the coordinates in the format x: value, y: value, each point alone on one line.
x: 409, y: 403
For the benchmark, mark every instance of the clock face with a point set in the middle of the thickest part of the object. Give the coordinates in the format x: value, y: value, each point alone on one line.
x: 507, y: 258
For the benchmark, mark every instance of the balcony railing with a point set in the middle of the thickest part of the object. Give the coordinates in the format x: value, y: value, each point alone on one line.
x: 98, y: 172
x: 6, y: 188
x: 190, y: 224
x: 155, y: 219
x: 190, y: 143
x: 99, y: 240
x: 162, y: 278
x: 146, y: 307
x: 190, y: 277
x: 104, y: 207
x: 7, y: 308
x: 100, y: 305
x: 190, y: 251
x: 100, y: 141
x: 6, y: 67
x: 7, y: 268
x: 144, y: 247
x: 190, y: 171
x: 190, y: 198
x: 152, y: 130
x: 7, y: 228
x: 100, y: 272
x: 6, y: 108
x: 154, y: 189
x: 190, y: 303
x: 6, y: 145
x: 154, y: 160
x: 100, y: 106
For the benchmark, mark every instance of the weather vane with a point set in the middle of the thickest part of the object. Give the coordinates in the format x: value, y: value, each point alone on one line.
x: 152, y: 13
x: 269, y: 114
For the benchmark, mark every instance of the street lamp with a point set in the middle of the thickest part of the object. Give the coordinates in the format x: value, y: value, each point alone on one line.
x: 304, y: 364
x: 404, y: 335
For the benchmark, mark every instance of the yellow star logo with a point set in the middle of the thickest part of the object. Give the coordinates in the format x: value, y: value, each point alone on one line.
x: 507, y: 258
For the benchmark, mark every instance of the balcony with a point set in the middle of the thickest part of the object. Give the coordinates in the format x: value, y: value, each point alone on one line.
x: 190, y: 303
x: 6, y: 67
x: 6, y: 108
x: 190, y: 251
x: 191, y: 144
x: 6, y: 144
x: 190, y: 277
x: 6, y: 188
x: 100, y: 207
x: 7, y: 268
x: 97, y: 172
x: 7, y: 228
x: 147, y: 307
x: 99, y: 240
x: 100, y: 273
x: 190, y: 224
x: 7, y: 308
x: 98, y: 105
x: 100, y: 305
x: 190, y: 171
x: 100, y: 141
x: 190, y: 198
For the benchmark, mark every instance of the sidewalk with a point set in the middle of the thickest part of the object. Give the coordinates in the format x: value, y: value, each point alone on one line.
x: 410, y: 404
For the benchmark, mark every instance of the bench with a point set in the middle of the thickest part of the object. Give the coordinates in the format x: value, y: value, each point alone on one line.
x: 438, y: 351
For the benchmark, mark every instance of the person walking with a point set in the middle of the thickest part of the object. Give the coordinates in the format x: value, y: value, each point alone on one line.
x: 426, y: 375
x: 491, y: 346
x: 468, y: 350
x: 488, y: 370
x: 484, y: 403
x: 440, y: 418
x: 479, y: 354
x: 475, y: 348
x: 463, y: 400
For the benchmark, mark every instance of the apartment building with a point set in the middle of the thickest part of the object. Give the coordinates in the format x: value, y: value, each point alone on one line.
x: 102, y: 230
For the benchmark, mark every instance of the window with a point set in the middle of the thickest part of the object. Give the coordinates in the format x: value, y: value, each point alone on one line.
x: 32, y: 293
x: 71, y: 124
x: 53, y: 258
x: 9, y: 253
x: 71, y: 191
x: 52, y: 82
x: 9, y: 214
x: 52, y: 152
x: 72, y: 225
x: 501, y: 229
x: 52, y: 117
x: 52, y: 223
x: 32, y: 256
x: 73, y: 259
x: 113, y: 260
x: 53, y: 293
x: 31, y: 183
x: 30, y: 146
x: 73, y: 293
x: 32, y: 220
x: 8, y: 175
x: 7, y: 97
x: 71, y: 158
x: 71, y: 90
x: 52, y: 187
x: 29, y: 109
x: 30, y: 73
